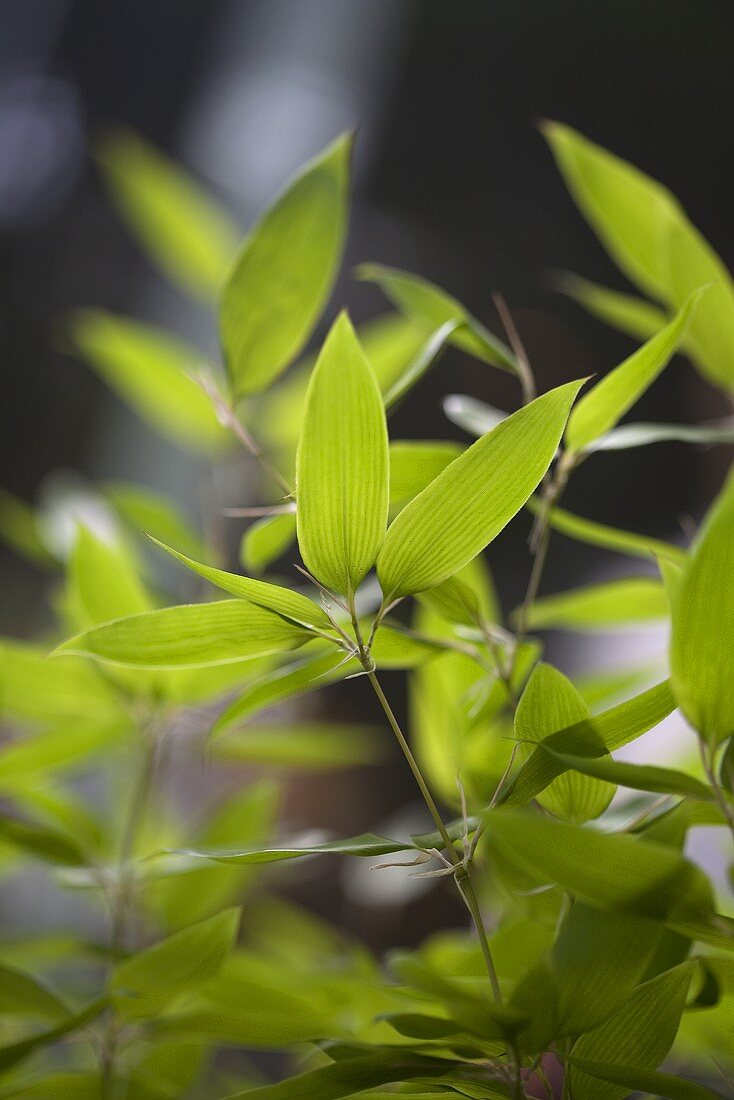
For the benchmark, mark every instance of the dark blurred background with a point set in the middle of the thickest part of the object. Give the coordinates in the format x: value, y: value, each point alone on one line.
x: 453, y: 181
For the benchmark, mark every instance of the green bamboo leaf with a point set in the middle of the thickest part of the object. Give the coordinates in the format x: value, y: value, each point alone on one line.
x: 701, y: 660
x: 414, y: 465
x: 177, y: 223
x: 619, y: 603
x: 188, y: 636
x: 32, y: 687
x: 102, y: 582
x: 422, y: 363
x: 144, y: 983
x: 266, y: 540
x: 342, y: 465
x: 149, y: 370
x: 636, y: 1079
x: 468, y: 598
x: 640, y: 777
x: 42, y: 842
x: 548, y: 704
x: 642, y: 435
x: 294, y: 606
x: 23, y: 994
x: 425, y: 302
x: 608, y: 538
x: 617, y: 872
x: 367, y: 845
x: 284, y: 273
x: 319, y: 745
x: 350, y: 1077
x: 648, y: 235
x: 61, y: 1086
x: 14, y: 1053
x: 474, y: 498
x: 595, y: 737
x: 634, y: 316
x: 639, y: 1035
x: 599, y: 410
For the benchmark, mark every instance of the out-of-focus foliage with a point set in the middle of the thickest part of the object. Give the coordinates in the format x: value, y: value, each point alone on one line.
x: 599, y: 949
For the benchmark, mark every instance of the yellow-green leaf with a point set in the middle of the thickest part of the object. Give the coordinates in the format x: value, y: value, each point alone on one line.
x: 635, y: 316
x: 474, y: 498
x: 284, y: 273
x: 609, y: 538
x: 701, y: 651
x: 342, y: 465
x: 603, y: 406
x: 601, y: 606
x: 188, y: 636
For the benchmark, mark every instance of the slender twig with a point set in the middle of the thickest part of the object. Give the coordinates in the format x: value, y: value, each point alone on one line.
x: 524, y: 370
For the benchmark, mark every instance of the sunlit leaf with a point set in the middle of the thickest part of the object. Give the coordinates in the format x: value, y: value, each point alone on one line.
x: 548, y: 704
x: 293, y: 606
x: 147, y: 512
x: 422, y: 363
x: 367, y: 845
x: 189, y: 636
x: 342, y: 465
x: 641, y: 777
x: 617, y: 603
x: 266, y: 540
x: 148, y: 368
x: 650, y: 238
x: 176, y: 221
x: 425, y: 302
x: 701, y: 660
x: 19, y: 529
x: 414, y: 465
x: 608, y: 538
x: 475, y: 417
x: 283, y: 275
x: 642, y: 435
x: 319, y: 745
x: 474, y: 498
x: 103, y: 582
x: 606, y: 403
x: 32, y: 687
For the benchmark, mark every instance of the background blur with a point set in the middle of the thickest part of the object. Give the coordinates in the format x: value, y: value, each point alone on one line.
x: 452, y: 181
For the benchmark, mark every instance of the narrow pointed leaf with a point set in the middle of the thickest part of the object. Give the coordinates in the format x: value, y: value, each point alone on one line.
x: 349, y: 1077
x: 414, y: 465
x: 423, y: 301
x: 342, y: 465
x: 188, y: 636
x: 635, y: 316
x: 640, y: 777
x: 178, y: 224
x: 283, y: 275
x: 23, y: 994
x: 606, y: 403
x: 148, y: 368
x: 266, y: 540
x: 701, y: 654
x: 642, y: 435
x: 294, y: 606
x: 608, y: 538
x: 637, y: 1079
x: 367, y: 845
x: 595, y: 736
x: 422, y: 363
x: 474, y: 498
x: 601, y: 606
x: 145, y: 511
x: 320, y: 745
x: 473, y: 416
x: 612, y: 871
x: 103, y: 582
x: 649, y: 236
x: 14, y: 1053
x: 548, y: 704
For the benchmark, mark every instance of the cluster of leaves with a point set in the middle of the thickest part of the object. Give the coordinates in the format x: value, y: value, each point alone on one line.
x: 596, y: 949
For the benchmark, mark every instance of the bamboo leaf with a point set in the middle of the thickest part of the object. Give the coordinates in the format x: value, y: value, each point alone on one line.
x: 266, y: 540
x: 178, y: 224
x: 635, y: 316
x: 640, y: 777
x: 606, y: 403
x: 473, y: 416
x: 144, y: 983
x: 414, y: 464
x: 320, y: 745
x: 294, y: 606
x: 548, y: 704
x: 23, y: 994
x: 650, y: 238
x: 342, y: 465
x: 14, y: 1053
x: 367, y: 845
x: 425, y: 302
x: 474, y: 498
x: 188, y: 636
x: 608, y: 538
x: 145, y: 511
x: 103, y: 582
x: 284, y: 273
x: 637, y: 1079
x: 642, y: 435
x: 149, y: 370
x: 701, y: 661
x: 617, y: 603
x: 19, y: 529
x: 422, y: 363
x: 618, y: 872
x: 594, y: 736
